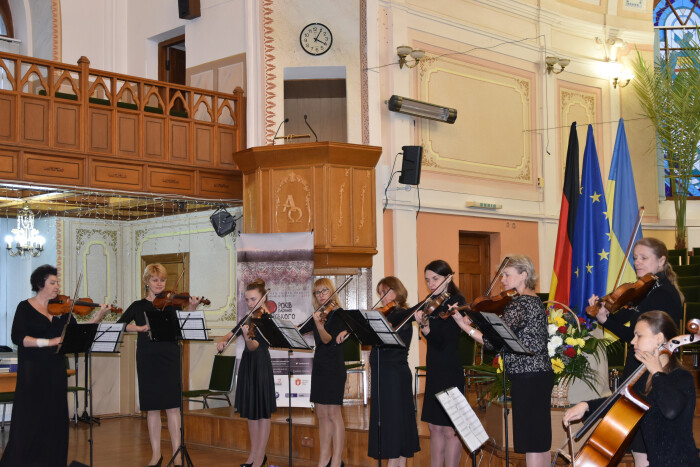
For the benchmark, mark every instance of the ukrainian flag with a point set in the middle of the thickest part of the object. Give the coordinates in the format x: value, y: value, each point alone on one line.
x: 622, y: 210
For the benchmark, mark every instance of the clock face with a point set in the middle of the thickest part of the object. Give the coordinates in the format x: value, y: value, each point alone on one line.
x: 316, y: 39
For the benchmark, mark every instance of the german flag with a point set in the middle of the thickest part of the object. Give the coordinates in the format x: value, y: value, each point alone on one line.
x: 561, y: 277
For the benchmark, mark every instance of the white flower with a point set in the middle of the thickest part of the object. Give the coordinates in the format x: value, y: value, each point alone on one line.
x: 556, y: 341
x: 552, y: 329
x: 551, y: 349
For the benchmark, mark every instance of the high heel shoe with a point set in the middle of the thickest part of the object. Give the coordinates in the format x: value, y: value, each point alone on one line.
x: 329, y: 462
x: 264, y: 462
x: 157, y: 464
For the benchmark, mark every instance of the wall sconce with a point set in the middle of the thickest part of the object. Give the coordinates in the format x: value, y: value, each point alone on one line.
x: 621, y: 82
x: 552, y: 61
x: 416, y: 108
x: 618, y: 75
x: 404, y: 50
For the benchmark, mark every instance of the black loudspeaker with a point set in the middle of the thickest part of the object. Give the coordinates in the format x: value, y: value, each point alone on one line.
x: 223, y: 222
x: 410, y: 167
x: 188, y: 9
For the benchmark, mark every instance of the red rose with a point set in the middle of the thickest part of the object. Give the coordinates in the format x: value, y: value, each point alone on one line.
x: 562, y: 329
x: 581, y: 320
x: 495, y: 361
x: 570, y: 352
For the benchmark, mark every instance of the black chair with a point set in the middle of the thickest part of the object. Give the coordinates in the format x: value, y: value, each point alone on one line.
x: 74, y: 390
x: 5, y: 398
x: 220, y: 382
x: 617, y: 353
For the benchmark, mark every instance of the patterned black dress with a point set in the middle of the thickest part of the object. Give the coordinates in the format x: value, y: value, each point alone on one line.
x: 444, y: 367
x: 531, y: 377
x: 399, y: 429
x: 328, y: 374
x: 39, y: 430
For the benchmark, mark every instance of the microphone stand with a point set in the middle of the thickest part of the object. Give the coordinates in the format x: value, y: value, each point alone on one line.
x: 286, y: 120
x: 312, y: 130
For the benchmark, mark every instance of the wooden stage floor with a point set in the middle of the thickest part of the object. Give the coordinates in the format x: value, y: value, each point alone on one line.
x: 123, y: 441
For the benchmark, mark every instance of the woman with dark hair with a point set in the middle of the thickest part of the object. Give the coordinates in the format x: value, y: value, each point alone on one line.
x: 531, y: 376
x: 667, y: 427
x: 399, y: 432
x: 328, y: 374
x: 39, y: 430
x: 444, y: 368
x: 255, y: 389
x: 157, y: 364
x: 650, y: 256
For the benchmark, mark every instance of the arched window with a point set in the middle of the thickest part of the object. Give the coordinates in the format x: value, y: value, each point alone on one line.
x: 5, y: 19
x: 674, y: 21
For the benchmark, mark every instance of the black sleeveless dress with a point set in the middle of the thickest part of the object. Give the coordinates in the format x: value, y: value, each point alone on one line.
x: 328, y: 374
x: 255, y: 388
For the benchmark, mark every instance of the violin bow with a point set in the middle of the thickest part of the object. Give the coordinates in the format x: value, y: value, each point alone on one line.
x: 381, y: 298
x: 241, y: 323
x: 504, y: 264
x: 638, y: 224
x: 419, y: 307
x: 75, y: 295
x: 327, y: 301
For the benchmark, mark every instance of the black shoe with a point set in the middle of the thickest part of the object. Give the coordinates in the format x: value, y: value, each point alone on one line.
x: 247, y: 465
x: 329, y: 462
x: 264, y: 462
x: 157, y: 464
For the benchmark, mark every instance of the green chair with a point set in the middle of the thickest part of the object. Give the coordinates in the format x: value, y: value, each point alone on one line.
x: 696, y: 251
x: 689, y: 270
x: 74, y: 389
x: 678, y: 256
x: 691, y: 311
x: 695, y: 259
x: 617, y: 353
x: 352, y: 354
x: 5, y: 398
x: 220, y: 382
x: 691, y: 292
x: 544, y: 296
x: 684, y: 281
x: 424, y: 370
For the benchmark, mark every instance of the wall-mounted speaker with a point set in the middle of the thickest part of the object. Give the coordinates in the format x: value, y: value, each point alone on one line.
x: 410, y: 167
x: 188, y: 9
x: 223, y: 222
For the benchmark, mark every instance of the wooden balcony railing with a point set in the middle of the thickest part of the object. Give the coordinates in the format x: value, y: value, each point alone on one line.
x: 70, y: 125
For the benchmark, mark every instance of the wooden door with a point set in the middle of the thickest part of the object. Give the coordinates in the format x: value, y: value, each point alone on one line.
x: 473, y: 264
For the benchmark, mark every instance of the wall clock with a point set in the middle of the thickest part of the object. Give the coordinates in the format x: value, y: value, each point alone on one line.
x: 316, y: 39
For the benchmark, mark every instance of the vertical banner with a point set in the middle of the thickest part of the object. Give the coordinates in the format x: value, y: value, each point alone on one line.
x: 285, y: 261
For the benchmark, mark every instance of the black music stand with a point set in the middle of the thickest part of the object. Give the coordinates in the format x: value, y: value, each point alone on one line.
x: 504, y: 341
x: 169, y: 325
x: 372, y: 328
x: 282, y: 334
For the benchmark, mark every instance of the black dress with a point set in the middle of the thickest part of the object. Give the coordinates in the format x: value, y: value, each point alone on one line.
x: 531, y: 377
x: 667, y: 427
x: 328, y: 373
x: 395, y: 398
x: 444, y: 367
x: 255, y: 389
x: 157, y: 363
x: 664, y: 297
x: 39, y: 430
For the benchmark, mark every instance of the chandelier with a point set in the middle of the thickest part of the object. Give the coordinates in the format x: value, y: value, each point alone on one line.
x: 26, y: 238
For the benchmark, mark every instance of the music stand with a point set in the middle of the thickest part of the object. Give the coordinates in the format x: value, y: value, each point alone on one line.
x: 465, y: 421
x: 169, y: 325
x: 282, y: 334
x: 504, y: 341
x: 371, y: 328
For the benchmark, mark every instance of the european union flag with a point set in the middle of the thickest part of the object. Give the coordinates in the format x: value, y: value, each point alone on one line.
x: 591, y: 246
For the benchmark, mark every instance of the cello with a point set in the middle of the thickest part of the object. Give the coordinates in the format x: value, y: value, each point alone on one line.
x: 608, y: 442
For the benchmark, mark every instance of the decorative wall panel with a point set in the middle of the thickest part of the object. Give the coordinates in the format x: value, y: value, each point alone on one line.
x: 582, y: 105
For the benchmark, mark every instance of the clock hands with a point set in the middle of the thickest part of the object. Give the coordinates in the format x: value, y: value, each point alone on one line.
x: 320, y: 41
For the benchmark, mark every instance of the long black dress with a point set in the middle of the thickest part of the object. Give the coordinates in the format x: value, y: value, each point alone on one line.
x: 444, y: 368
x: 157, y: 363
x: 39, y: 430
x: 255, y: 389
x: 328, y: 373
x: 394, y: 396
x: 667, y: 427
x: 664, y: 297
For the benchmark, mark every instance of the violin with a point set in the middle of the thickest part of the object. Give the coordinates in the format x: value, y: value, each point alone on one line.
x: 608, y: 442
x: 326, y: 310
x: 624, y: 295
x: 491, y: 303
x: 388, y: 308
x: 63, y: 304
x: 435, y: 303
x: 429, y: 305
x: 256, y: 314
x: 172, y: 298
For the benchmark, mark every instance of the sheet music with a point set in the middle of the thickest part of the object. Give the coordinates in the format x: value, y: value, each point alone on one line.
x: 192, y: 325
x: 108, y: 337
x: 465, y: 421
x: 506, y: 334
x: 291, y: 333
x: 382, y: 328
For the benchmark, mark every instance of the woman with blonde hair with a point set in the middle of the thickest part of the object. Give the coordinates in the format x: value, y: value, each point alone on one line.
x: 328, y: 374
x: 157, y: 364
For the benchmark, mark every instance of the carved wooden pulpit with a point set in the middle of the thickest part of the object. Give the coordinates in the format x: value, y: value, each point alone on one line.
x: 325, y: 187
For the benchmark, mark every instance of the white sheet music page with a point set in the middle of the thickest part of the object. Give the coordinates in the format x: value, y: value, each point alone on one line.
x: 466, y: 422
x: 290, y: 332
x: 108, y: 337
x: 192, y: 325
x: 381, y: 326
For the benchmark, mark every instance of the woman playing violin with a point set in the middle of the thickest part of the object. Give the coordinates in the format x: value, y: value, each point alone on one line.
x: 399, y: 429
x: 444, y: 368
x: 328, y: 374
x: 650, y: 256
x: 39, y: 434
x: 255, y: 389
x: 667, y: 427
x: 157, y: 364
x: 531, y: 377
